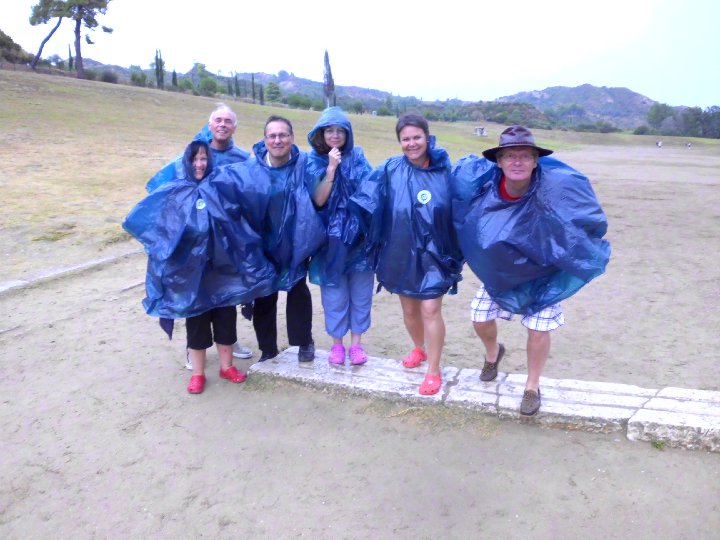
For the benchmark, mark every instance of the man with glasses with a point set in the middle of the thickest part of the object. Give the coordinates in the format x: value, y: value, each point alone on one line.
x: 531, y: 229
x: 292, y: 231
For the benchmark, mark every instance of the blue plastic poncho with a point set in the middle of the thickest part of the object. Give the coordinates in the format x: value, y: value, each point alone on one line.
x: 409, y: 225
x: 344, y: 248
x: 291, y: 229
x: 199, y: 257
x: 539, y: 250
x: 175, y: 169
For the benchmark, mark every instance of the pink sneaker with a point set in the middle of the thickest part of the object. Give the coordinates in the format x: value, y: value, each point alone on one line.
x: 357, y: 355
x: 415, y: 358
x: 337, y: 354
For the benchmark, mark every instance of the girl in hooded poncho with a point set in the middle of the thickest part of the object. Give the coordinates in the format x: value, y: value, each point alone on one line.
x: 411, y: 232
x: 341, y: 268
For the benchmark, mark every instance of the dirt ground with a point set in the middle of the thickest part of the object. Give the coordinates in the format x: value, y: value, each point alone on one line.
x: 100, y: 439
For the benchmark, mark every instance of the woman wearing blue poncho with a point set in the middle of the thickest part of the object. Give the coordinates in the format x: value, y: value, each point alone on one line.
x: 531, y: 229
x: 201, y: 263
x: 341, y: 268
x: 411, y: 233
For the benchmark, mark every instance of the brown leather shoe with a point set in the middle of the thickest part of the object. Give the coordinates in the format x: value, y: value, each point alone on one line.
x: 490, y: 370
x: 530, y: 402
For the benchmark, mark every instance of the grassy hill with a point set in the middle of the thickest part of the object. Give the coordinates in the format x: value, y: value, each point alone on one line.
x: 76, y: 154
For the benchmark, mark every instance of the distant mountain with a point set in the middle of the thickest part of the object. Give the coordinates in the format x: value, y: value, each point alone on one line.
x: 557, y: 106
x: 588, y: 104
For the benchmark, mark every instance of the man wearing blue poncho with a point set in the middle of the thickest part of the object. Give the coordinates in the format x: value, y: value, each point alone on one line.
x: 218, y: 132
x: 531, y: 229
x: 291, y: 230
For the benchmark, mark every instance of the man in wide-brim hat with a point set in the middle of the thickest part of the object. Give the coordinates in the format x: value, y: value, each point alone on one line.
x: 527, y: 258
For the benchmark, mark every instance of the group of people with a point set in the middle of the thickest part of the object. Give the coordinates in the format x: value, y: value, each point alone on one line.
x: 223, y: 228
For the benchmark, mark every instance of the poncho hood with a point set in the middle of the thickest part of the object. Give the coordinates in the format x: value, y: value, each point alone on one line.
x: 332, y: 116
x: 175, y: 169
x: 188, y: 164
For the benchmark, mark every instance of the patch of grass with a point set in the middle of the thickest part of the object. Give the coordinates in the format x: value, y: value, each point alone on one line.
x: 658, y: 445
x: 116, y: 236
x: 62, y: 231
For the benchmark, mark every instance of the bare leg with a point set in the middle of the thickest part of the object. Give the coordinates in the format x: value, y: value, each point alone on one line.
x: 413, y: 320
x: 488, y: 333
x: 434, y: 331
x: 225, y: 354
x: 538, y: 349
x: 197, y: 357
x: 355, y: 338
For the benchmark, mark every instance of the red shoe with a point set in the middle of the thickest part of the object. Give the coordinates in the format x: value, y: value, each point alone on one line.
x: 197, y: 384
x: 431, y: 385
x: 233, y: 374
x: 415, y: 358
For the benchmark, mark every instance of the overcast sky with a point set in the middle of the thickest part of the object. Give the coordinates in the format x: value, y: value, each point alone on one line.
x: 472, y: 50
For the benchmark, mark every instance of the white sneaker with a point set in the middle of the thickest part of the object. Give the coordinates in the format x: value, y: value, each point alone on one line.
x: 188, y: 362
x: 241, y: 352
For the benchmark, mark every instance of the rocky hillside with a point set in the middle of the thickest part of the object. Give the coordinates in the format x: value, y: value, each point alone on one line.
x: 588, y: 104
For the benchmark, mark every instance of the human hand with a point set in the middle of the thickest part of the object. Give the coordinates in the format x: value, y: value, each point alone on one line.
x: 334, y: 158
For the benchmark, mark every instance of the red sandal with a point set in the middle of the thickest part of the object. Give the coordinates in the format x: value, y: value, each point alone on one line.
x: 431, y: 385
x: 197, y: 384
x: 233, y: 374
x: 415, y: 358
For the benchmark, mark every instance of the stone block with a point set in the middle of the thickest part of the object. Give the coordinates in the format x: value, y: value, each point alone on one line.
x: 681, y: 418
x: 379, y: 376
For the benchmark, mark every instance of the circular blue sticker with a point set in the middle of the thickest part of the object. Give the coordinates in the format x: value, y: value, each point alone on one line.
x: 200, y: 204
x: 424, y: 196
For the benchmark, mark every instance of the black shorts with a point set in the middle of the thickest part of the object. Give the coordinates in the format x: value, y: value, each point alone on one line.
x: 224, y: 326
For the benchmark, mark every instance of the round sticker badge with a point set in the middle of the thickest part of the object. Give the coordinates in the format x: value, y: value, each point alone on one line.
x: 424, y: 196
x: 200, y: 204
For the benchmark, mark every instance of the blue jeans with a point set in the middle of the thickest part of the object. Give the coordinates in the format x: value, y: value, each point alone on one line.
x: 347, y: 307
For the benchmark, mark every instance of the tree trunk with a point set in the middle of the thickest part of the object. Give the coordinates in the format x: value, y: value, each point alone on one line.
x: 44, y: 41
x: 78, y: 52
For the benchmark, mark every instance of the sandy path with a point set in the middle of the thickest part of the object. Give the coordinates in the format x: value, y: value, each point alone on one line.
x: 100, y: 440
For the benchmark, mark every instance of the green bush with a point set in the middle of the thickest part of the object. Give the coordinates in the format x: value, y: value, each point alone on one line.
x: 90, y: 74
x: 109, y: 76
x: 208, y: 87
x: 138, y: 78
x: 186, y: 85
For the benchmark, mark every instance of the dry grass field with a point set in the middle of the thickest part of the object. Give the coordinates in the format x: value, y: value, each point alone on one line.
x: 75, y: 156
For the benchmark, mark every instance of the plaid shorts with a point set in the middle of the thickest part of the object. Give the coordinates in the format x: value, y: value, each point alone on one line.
x: 483, y: 309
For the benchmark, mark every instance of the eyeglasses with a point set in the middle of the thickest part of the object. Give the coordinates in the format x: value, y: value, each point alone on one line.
x: 277, y: 136
x: 512, y: 157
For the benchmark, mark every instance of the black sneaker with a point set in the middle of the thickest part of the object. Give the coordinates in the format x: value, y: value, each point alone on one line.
x: 530, y: 402
x: 306, y: 353
x: 267, y: 355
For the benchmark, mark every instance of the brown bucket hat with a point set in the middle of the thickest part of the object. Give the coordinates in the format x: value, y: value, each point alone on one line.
x: 515, y: 136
